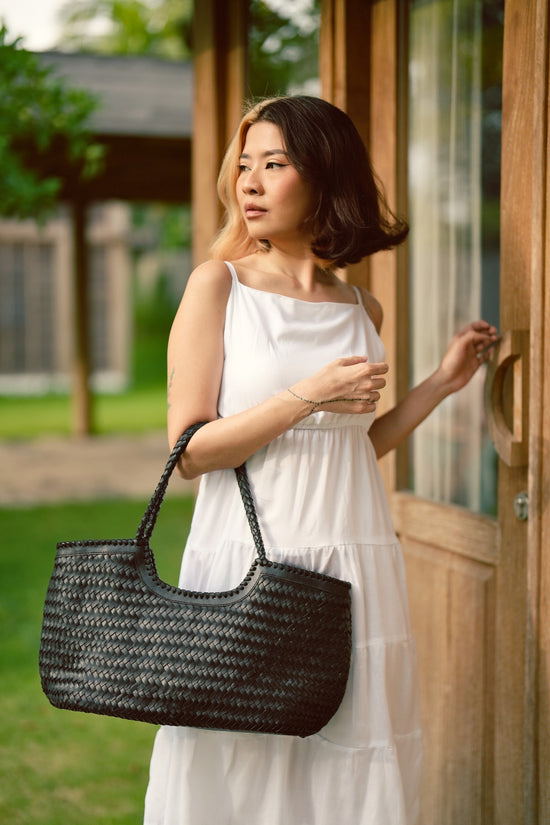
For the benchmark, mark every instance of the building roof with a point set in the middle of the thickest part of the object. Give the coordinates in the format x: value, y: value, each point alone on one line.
x: 143, y: 95
x: 143, y: 122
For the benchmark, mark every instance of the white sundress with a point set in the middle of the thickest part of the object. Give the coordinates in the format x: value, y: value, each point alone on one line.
x: 321, y: 504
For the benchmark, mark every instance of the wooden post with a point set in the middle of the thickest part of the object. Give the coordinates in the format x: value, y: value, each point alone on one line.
x: 538, y: 573
x: 388, y: 146
x: 81, y: 400
x: 363, y: 65
x: 345, y: 77
x: 220, y: 34
x: 522, y: 743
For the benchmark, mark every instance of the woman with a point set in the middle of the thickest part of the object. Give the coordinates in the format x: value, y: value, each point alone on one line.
x: 284, y: 361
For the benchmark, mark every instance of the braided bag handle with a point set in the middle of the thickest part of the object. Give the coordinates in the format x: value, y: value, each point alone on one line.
x: 147, y: 524
x: 149, y: 519
x: 250, y: 510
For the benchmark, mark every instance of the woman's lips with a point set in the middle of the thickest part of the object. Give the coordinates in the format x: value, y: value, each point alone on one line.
x: 253, y: 211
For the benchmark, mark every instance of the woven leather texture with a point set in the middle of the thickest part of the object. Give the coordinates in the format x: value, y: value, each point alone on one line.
x: 272, y: 655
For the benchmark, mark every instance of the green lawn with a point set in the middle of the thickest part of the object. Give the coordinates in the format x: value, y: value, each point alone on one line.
x: 135, y: 411
x: 57, y: 766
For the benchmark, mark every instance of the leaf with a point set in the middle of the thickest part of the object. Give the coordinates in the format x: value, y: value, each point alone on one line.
x: 35, y: 110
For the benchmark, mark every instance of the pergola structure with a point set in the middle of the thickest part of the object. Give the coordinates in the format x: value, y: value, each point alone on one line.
x: 144, y: 124
x: 164, y: 127
x: 143, y: 121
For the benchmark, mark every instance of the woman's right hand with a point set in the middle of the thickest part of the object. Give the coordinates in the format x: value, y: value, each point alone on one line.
x: 346, y: 385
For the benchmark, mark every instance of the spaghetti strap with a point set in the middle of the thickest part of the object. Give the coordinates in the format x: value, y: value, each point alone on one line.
x: 359, y: 297
x: 361, y: 303
x: 232, y: 270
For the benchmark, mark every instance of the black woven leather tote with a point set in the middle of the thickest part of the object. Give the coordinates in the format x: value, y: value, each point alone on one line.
x: 271, y: 656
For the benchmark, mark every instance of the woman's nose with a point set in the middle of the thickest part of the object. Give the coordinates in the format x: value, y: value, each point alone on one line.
x: 251, y: 184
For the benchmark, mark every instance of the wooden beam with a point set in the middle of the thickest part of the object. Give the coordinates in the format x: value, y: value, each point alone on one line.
x: 134, y: 168
x: 344, y: 72
x: 363, y: 69
x: 220, y: 36
x: 81, y: 399
x: 344, y: 60
x: 513, y: 755
x: 522, y: 732
x: 137, y: 169
x: 388, y: 148
x: 538, y: 561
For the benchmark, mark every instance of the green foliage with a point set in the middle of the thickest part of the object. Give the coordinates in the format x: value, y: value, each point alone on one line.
x: 166, y: 227
x: 283, y: 42
x: 63, y: 767
x: 283, y: 37
x: 154, y: 312
x: 155, y: 309
x: 35, y: 110
x: 175, y: 226
x: 161, y: 27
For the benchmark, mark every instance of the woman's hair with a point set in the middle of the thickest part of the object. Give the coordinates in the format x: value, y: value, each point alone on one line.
x: 351, y: 217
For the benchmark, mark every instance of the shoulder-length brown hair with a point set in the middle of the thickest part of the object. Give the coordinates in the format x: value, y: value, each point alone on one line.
x: 351, y: 218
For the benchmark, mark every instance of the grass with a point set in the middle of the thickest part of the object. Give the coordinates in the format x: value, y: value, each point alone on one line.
x: 58, y: 766
x: 136, y: 411
x: 141, y: 408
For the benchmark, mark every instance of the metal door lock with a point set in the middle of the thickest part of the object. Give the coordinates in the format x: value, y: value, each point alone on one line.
x: 521, y: 506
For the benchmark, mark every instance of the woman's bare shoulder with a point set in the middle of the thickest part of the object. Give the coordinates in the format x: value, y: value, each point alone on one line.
x: 206, y: 293
x: 210, y: 275
x: 373, y: 307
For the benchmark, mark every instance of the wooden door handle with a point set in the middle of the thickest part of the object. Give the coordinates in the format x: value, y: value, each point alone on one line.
x: 507, y: 404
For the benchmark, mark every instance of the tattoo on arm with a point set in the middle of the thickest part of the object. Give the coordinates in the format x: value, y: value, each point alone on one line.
x: 170, y: 381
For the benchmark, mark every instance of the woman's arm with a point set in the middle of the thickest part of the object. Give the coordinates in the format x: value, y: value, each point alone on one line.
x: 466, y: 352
x: 195, y: 365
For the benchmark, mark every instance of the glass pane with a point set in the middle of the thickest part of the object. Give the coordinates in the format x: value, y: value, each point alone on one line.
x: 455, y: 86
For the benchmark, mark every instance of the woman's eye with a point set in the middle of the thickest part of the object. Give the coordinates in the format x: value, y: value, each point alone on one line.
x: 242, y: 167
x: 274, y: 165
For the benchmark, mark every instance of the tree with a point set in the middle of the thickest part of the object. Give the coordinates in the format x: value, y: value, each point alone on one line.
x: 35, y: 111
x: 283, y: 45
x: 282, y: 41
x: 155, y: 27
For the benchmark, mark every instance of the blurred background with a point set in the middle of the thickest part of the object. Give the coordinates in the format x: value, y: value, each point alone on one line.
x: 131, y: 130
x: 96, y: 113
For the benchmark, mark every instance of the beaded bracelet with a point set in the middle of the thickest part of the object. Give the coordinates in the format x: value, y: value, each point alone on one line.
x: 315, y: 404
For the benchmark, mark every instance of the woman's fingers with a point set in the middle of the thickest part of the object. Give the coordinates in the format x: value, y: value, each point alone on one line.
x: 479, y: 326
x: 350, y: 360
x: 477, y: 338
x: 469, y: 348
x: 349, y: 384
x: 364, y: 381
x: 479, y: 332
x: 354, y: 360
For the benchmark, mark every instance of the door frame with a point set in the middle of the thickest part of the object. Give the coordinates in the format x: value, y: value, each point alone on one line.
x: 364, y: 69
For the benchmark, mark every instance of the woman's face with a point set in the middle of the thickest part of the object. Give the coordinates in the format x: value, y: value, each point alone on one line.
x: 274, y: 200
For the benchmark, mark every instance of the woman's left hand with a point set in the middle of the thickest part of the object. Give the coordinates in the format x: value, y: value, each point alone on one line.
x: 469, y: 348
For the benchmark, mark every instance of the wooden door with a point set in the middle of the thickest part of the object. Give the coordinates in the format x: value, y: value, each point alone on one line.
x: 478, y: 585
